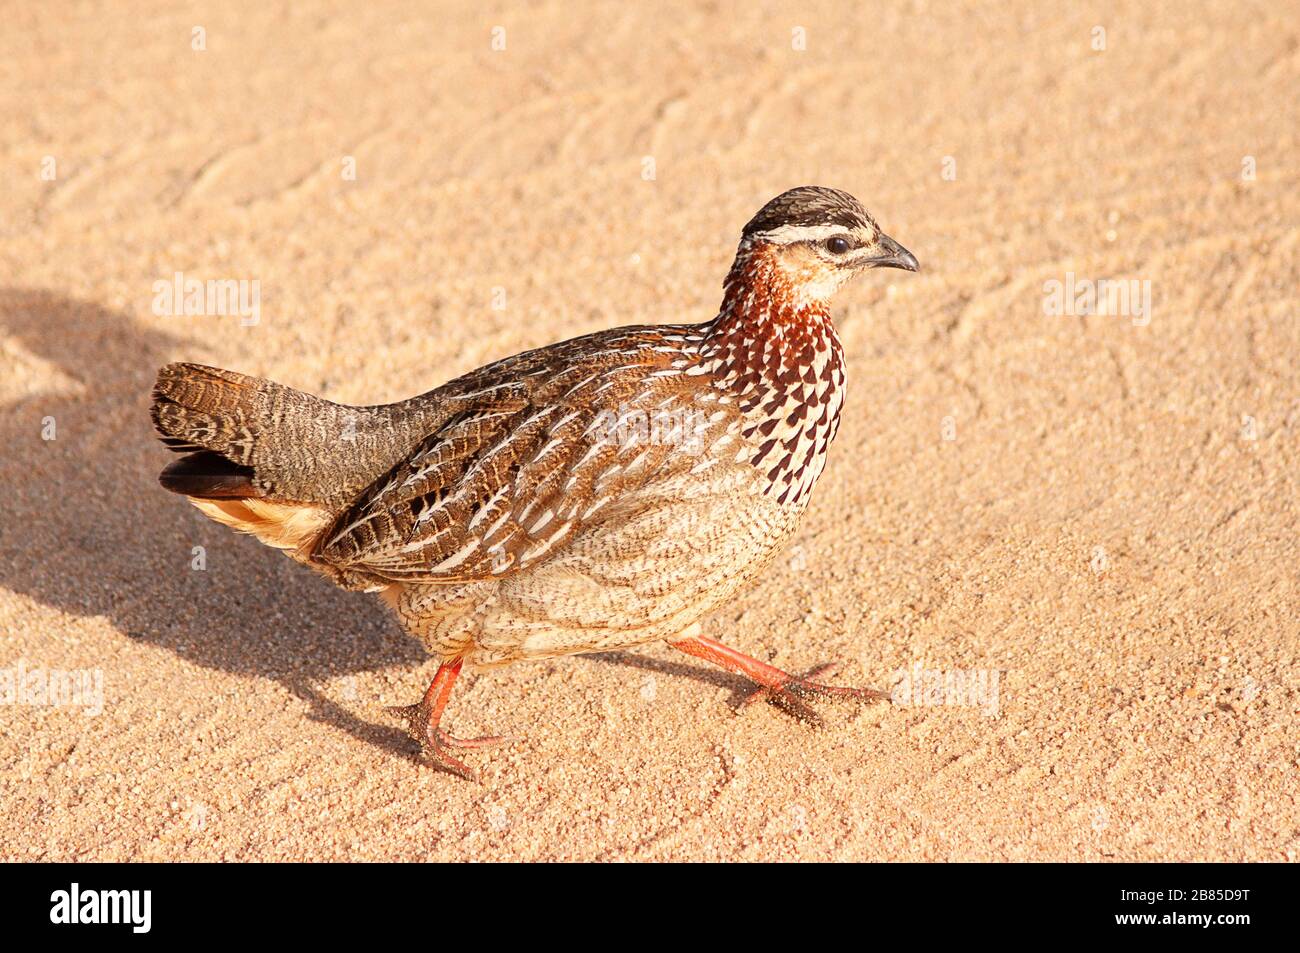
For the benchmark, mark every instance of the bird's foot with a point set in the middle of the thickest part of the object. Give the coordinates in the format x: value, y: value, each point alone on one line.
x: 778, y: 687
x: 421, y: 720
x: 788, y: 692
x: 434, y: 742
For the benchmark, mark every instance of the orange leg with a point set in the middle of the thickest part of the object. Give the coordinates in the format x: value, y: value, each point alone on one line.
x: 422, y: 724
x: 774, y: 685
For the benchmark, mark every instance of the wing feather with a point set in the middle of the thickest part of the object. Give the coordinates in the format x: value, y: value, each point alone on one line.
x: 510, y: 477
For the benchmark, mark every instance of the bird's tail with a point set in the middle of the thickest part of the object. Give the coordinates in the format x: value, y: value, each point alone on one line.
x: 255, y: 450
x: 218, y: 418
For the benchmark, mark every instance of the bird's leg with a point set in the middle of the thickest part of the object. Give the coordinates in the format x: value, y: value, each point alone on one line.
x: 774, y: 685
x: 422, y: 724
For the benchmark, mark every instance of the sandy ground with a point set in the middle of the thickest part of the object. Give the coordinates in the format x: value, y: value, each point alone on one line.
x: 1102, y: 509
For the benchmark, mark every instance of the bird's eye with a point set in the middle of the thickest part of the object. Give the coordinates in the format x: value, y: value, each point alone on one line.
x: 837, y: 245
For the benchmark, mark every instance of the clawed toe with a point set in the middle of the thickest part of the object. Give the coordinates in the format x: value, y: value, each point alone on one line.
x: 490, y: 741
x: 788, y: 693
x: 407, y: 714
x: 435, y: 753
x: 787, y: 701
x: 421, y: 721
x: 780, y: 688
x: 434, y: 742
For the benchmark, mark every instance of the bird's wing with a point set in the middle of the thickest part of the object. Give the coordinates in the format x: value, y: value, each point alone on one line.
x: 541, y: 448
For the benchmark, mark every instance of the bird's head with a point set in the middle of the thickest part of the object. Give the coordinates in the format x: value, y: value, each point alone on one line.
x: 815, y: 239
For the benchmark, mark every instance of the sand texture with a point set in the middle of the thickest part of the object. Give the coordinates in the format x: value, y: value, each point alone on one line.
x: 1099, y: 509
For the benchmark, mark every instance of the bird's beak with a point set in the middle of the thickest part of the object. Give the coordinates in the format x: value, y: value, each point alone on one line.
x: 892, y: 255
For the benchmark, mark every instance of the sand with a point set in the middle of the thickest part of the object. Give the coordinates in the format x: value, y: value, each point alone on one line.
x: 1099, y: 510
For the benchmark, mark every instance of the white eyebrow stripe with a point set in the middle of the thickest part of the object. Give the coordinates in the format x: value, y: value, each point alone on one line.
x: 801, y: 233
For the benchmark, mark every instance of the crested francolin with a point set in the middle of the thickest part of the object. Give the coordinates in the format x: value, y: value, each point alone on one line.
x: 598, y: 493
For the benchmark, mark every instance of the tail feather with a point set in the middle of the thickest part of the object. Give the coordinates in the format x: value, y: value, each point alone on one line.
x: 274, y: 462
x: 211, y: 415
x: 205, y: 408
x: 245, y: 436
x: 247, y: 463
x: 210, y: 476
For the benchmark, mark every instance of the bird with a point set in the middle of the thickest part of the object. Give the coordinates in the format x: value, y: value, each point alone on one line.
x: 594, y: 494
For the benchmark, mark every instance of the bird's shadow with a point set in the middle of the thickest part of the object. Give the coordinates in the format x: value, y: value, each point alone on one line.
x: 87, y: 530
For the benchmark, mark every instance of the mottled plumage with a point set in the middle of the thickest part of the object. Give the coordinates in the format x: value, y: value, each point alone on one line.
x: 602, y: 492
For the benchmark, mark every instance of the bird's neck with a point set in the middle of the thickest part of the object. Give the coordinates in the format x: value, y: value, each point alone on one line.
x: 775, y: 352
x: 768, y: 334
